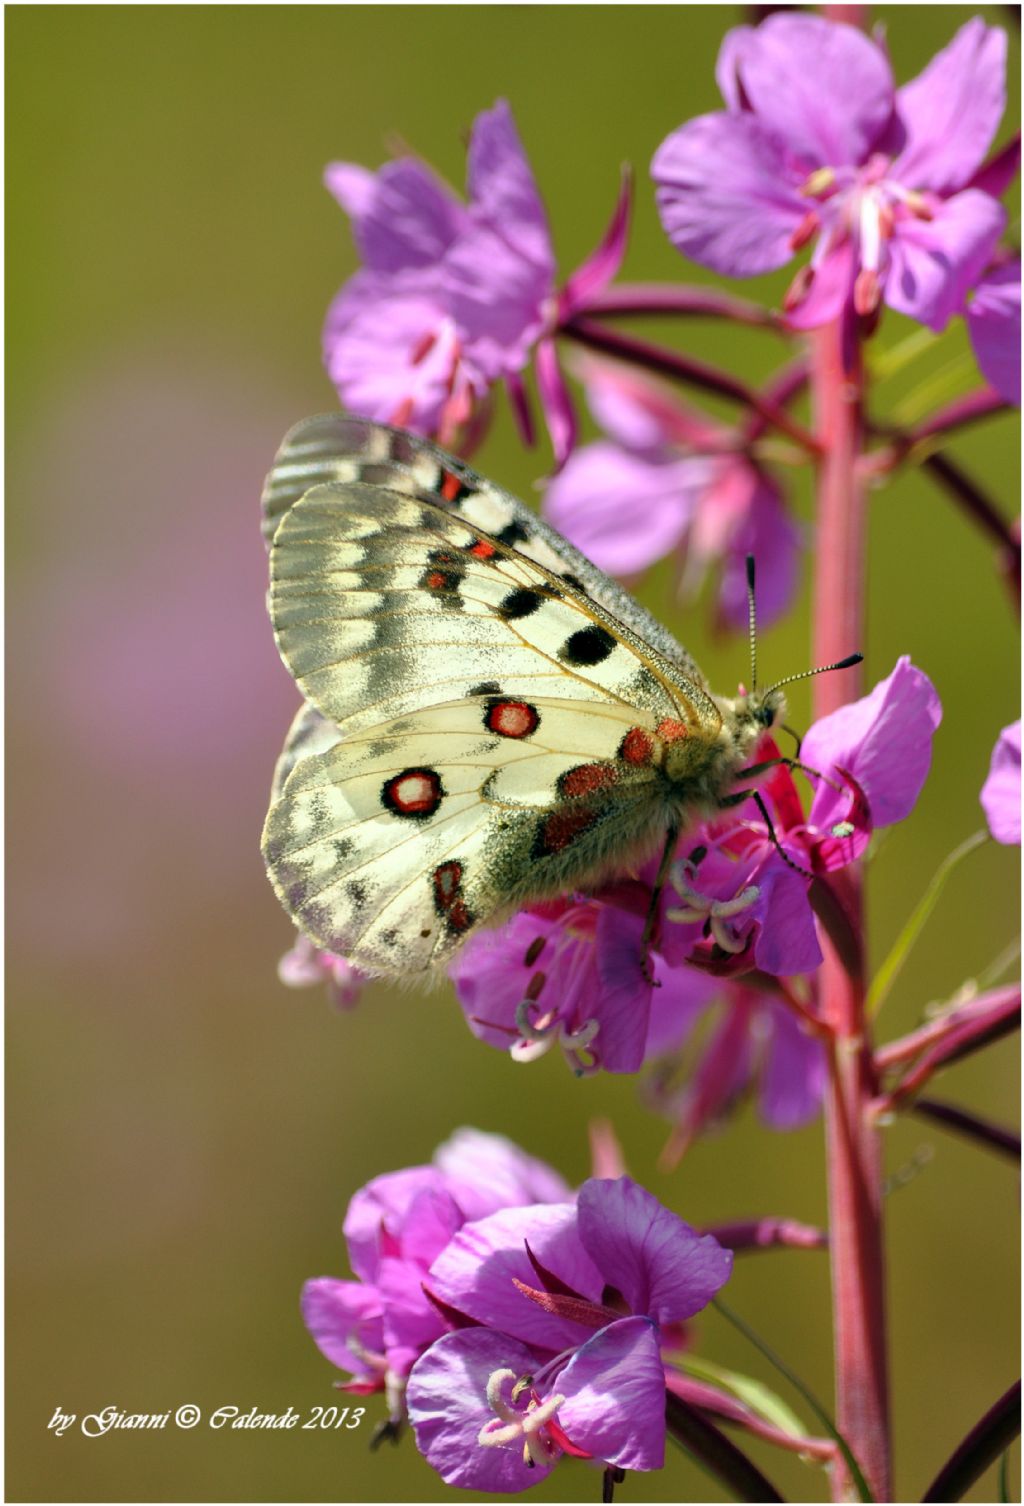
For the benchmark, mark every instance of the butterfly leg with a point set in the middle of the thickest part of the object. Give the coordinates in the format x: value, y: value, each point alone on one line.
x: 650, y: 932
x: 737, y: 797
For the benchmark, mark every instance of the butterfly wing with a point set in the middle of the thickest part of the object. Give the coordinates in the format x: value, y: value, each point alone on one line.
x: 479, y: 729
x: 340, y: 447
x: 394, y: 843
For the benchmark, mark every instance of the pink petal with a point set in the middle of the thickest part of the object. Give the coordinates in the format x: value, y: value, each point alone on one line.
x: 502, y: 189
x: 884, y: 740
x: 615, y: 1396
x: 642, y: 414
x: 726, y: 194
x: 787, y: 941
x: 825, y: 88
x: 623, y: 511
x: 556, y: 401
x: 996, y: 175
x: 1000, y: 794
x: 475, y: 1273
x: 793, y: 1075
x: 497, y: 297
x: 411, y: 1321
x: 765, y: 530
x: 447, y: 1402
x: 936, y: 262
x: 952, y: 110
x: 487, y: 1172
x: 337, y: 1311
x: 625, y: 998
x: 392, y: 352
x: 402, y: 216
x: 604, y: 262
x: 384, y: 1203
x: 993, y: 322
x: 663, y: 1268
x: 830, y: 290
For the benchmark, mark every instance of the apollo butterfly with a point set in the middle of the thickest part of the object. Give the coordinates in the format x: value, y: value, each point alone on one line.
x: 488, y: 720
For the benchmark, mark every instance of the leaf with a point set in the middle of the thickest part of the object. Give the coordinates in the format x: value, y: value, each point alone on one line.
x: 761, y: 1399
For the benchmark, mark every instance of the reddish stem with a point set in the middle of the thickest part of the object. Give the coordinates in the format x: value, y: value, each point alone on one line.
x: 623, y: 300
x: 710, y: 1399
x: 959, y: 1043
x: 680, y: 368
x: 852, y: 1142
x: 980, y: 1013
x: 764, y: 1233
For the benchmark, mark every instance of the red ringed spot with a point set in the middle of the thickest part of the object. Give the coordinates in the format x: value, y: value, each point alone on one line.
x: 637, y: 746
x: 511, y: 718
x: 562, y: 828
x: 414, y: 792
x: 483, y: 549
x: 672, y: 731
x: 447, y: 879
x: 436, y: 580
x: 585, y: 779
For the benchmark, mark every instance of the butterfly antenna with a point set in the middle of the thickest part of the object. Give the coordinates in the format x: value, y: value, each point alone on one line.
x: 823, y: 669
x: 752, y: 622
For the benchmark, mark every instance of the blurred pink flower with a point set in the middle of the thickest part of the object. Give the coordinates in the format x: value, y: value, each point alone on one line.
x: 692, y: 491
x: 454, y: 297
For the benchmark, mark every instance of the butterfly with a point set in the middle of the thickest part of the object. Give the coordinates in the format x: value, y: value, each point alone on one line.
x: 489, y: 720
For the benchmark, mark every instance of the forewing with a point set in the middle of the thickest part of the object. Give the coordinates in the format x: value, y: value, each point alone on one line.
x: 383, y: 604
x: 340, y: 447
x: 393, y: 844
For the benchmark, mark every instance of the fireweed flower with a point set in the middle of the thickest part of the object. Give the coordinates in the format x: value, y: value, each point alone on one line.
x: 817, y: 144
x: 694, y: 493
x: 305, y: 965
x: 571, y: 974
x: 1000, y: 794
x: 453, y: 297
x: 573, y: 1301
x: 993, y: 323
x: 724, y: 1039
x: 375, y: 1326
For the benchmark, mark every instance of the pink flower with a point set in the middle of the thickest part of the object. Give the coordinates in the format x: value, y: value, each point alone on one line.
x: 571, y: 1302
x: 817, y: 144
x: 305, y: 965
x: 376, y: 1325
x: 454, y: 297
x: 993, y: 323
x: 1000, y: 794
x: 693, y: 491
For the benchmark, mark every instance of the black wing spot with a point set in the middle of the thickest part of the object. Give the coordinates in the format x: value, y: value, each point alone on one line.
x: 574, y: 580
x: 486, y: 687
x: 513, y: 533
x: 522, y: 602
x: 588, y: 646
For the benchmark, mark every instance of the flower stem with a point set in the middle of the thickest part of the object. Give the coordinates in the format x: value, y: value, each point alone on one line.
x: 629, y: 300
x: 680, y: 368
x: 852, y: 1142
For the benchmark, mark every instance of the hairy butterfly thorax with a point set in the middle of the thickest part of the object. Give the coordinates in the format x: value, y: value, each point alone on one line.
x: 488, y: 720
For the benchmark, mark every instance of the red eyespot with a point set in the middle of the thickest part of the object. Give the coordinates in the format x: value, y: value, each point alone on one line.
x: 414, y: 792
x: 562, y: 828
x: 483, y: 549
x: 511, y: 718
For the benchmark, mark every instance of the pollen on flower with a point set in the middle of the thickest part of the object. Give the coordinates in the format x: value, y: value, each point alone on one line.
x: 511, y: 1424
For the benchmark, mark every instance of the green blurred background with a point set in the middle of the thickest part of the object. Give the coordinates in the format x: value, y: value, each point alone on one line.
x: 184, y: 1133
